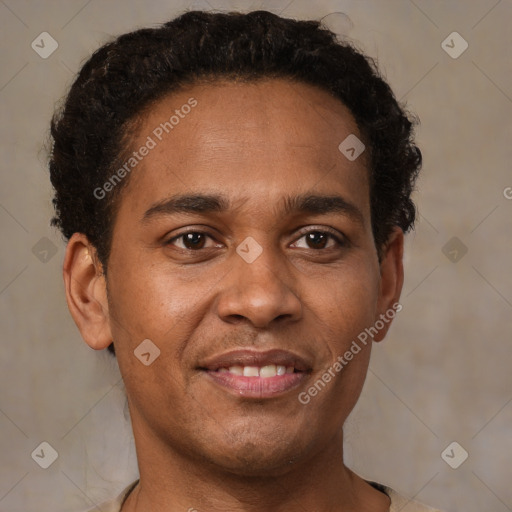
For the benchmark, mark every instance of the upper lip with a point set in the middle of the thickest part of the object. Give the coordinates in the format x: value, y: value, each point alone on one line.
x: 255, y: 358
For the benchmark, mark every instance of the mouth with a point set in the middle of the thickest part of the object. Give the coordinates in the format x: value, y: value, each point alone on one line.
x: 254, y: 374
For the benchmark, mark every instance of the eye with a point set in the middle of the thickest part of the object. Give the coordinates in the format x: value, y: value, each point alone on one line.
x: 313, y: 239
x: 320, y: 240
x: 191, y: 240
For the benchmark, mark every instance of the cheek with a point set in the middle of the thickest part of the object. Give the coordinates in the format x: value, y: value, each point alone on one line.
x: 145, y: 299
x: 348, y: 304
x: 343, y: 307
x: 153, y: 302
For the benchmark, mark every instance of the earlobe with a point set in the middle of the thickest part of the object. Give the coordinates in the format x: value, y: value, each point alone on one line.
x: 391, y: 281
x: 86, y: 292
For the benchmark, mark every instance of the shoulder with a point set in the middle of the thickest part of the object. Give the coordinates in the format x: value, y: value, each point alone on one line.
x: 115, y: 504
x: 404, y: 504
x: 399, y: 503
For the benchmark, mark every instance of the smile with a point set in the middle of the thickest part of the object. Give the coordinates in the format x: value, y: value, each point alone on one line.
x: 256, y: 374
x: 270, y: 370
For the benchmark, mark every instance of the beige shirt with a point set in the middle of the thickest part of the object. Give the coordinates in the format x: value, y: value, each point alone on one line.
x: 398, y: 503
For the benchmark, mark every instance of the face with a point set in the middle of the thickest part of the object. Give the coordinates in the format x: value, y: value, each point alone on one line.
x: 243, y: 245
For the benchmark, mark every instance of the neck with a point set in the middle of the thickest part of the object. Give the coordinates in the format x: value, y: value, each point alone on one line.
x: 172, y: 481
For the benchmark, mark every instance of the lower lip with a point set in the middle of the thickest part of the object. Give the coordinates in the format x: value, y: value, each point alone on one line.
x: 257, y: 387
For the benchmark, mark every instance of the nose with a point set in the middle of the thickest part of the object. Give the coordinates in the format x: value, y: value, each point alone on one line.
x: 259, y: 292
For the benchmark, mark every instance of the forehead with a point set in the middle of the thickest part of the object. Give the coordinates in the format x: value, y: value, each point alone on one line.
x: 268, y: 137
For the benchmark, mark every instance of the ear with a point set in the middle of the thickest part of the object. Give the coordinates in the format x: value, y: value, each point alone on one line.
x: 86, y: 292
x: 391, y: 281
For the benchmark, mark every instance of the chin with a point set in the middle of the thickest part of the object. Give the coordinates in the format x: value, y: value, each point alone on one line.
x: 258, y: 465
x: 264, y: 455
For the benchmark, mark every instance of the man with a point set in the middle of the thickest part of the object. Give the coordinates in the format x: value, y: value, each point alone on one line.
x: 235, y: 189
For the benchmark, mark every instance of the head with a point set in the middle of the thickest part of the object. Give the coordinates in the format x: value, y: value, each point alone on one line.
x: 209, y: 207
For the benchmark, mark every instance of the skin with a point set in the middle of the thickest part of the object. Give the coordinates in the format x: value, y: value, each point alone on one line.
x: 197, y: 445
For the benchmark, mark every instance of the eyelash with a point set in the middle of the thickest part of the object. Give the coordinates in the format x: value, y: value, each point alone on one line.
x: 340, y: 240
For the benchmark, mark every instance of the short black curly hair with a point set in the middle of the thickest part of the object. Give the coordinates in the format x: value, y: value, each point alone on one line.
x: 91, y: 132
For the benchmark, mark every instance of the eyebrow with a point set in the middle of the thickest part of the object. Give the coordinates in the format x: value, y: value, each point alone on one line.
x: 216, y: 203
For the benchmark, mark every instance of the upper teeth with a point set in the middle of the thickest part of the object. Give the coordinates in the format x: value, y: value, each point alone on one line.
x: 270, y: 370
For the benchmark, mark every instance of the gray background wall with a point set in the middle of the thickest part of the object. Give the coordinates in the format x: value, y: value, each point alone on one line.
x: 442, y: 375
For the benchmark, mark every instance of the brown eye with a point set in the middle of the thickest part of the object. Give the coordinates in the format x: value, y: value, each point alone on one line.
x: 192, y: 240
x: 317, y: 240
